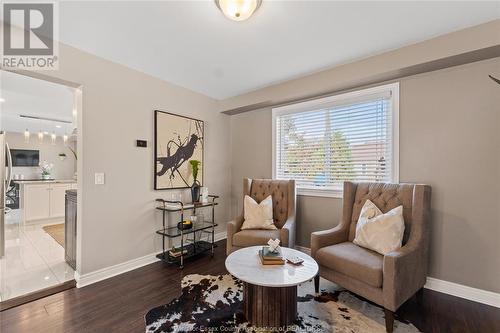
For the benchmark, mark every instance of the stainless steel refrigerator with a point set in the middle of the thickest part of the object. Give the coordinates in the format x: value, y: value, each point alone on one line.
x: 5, y: 179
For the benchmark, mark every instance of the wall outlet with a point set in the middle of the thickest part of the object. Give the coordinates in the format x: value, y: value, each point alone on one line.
x: 99, y: 178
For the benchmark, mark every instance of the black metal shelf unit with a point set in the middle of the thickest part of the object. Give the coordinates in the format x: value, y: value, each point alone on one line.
x: 196, y: 247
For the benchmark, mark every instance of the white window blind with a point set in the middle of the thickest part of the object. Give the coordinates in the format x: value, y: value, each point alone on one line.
x: 325, y: 142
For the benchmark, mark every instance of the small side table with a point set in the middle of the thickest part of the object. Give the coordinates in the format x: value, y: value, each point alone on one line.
x: 270, y: 292
x: 196, y: 247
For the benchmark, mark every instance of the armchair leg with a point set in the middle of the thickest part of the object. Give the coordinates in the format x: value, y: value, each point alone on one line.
x: 389, y: 320
x: 316, y: 284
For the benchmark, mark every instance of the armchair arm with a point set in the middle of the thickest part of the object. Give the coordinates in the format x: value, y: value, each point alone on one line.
x: 287, y: 233
x: 328, y: 237
x: 233, y: 227
x: 404, y: 273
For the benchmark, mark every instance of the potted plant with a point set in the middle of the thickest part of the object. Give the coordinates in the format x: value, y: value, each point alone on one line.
x: 46, y: 169
x: 195, y: 188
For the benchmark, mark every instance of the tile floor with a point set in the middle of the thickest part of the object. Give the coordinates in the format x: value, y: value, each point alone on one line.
x: 33, y: 259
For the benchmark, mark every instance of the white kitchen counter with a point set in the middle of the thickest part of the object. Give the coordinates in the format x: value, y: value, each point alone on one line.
x: 43, y: 199
x: 60, y: 181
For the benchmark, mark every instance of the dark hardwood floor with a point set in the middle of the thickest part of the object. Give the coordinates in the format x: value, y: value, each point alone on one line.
x: 120, y: 303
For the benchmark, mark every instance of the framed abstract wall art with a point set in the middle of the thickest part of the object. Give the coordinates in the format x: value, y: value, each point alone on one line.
x: 178, y: 140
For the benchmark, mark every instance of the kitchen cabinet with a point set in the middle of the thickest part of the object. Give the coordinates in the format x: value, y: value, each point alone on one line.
x: 37, y: 202
x: 57, y: 194
x: 44, y: 200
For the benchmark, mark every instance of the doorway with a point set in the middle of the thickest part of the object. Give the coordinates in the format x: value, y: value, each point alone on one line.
x: 39, y: 125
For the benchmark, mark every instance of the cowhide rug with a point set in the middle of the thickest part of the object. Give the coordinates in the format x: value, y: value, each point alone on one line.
x: 214, y: 304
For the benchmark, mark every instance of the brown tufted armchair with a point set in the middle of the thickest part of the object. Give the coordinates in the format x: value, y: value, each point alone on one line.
x: 283, y: 194
x: 386, y: 280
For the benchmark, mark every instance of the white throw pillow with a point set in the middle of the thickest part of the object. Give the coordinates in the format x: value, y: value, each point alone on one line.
x: 258, y: 215
x: 382, y: 233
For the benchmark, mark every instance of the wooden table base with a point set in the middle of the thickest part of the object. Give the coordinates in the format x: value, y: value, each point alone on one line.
x: 268, y: 306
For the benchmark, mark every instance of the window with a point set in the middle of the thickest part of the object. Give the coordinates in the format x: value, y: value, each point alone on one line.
x: 324, y: 142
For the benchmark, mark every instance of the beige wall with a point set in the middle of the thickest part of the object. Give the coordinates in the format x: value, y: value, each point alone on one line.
x: 450, y: 139
x: 118, y: 219
x: 63, y: 169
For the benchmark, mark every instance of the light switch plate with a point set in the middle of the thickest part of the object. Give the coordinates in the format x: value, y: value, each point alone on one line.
x: 99, y: 178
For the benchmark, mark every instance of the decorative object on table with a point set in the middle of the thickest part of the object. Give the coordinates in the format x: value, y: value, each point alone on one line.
x: 270, y: 258
x: 195, y: 188
x: 204, y: 194
x: 219, y: 301
x: 184, y: 225
x: 274, y: 245
x: 178, y: 139
x: 295, y: 260
x: 271, y: 255
x: 62, y: 156
x: 46, y: 169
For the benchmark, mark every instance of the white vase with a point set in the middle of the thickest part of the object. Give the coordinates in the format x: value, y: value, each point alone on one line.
x: 46, y: 176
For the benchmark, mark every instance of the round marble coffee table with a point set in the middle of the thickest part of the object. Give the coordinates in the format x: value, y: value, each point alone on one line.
x: 270, y: 291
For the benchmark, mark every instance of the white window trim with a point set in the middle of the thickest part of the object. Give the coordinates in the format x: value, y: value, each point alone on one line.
x: 393, y: 88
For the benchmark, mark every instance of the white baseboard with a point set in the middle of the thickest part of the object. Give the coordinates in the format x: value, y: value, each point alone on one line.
x: 220, y: 236
x: 459, y: 290
x: 451, y: 288
x: 107, y: 272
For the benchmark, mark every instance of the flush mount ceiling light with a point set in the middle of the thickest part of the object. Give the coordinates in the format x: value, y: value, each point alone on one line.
x: 238, y: 10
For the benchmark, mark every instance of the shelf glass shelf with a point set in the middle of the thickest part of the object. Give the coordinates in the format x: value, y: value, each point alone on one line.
x: 177, y: 208
x: 192, y: 250
x: 172, y: 232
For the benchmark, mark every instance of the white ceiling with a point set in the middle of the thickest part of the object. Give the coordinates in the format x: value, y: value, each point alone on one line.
x: 24, y: 95
x: 191, y: 44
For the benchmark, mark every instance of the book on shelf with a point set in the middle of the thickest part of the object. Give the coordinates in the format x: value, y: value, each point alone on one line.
x: 176, y: 252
